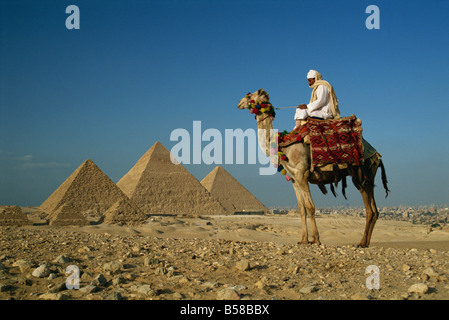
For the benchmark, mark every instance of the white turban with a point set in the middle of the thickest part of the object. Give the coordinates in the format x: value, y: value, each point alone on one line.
x: 311, y: 74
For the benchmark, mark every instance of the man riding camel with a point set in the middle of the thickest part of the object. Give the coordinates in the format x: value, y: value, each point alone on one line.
x: 323, y: 103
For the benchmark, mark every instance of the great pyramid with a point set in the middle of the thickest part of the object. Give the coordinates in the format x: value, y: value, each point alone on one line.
x: 231, y: 194
x: 88, y: 189
x: 13, y: 216
x: 158, y: 186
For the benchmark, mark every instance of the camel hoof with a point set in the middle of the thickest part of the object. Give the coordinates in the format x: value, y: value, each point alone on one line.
x: 360, y: 245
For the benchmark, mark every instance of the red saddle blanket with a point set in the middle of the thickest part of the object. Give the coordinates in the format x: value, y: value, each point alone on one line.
x: 332, y: 141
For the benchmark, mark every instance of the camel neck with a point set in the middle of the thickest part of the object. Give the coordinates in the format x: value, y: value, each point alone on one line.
x: 264, y: 126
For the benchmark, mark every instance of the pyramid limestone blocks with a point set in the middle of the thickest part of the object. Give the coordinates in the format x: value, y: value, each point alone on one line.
x: 68, y: 215
x: 13, y: 216
x: 231, y: 194
x: 123, y: 212
x: 158, y: 186
x: 87, y: 189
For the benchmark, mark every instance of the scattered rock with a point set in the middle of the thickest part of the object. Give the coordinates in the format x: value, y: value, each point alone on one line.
x: 161, y: 271
x: 430, y: 272
x: 148, y: 261
x: 308, y: 289
x: 228, y: 294
x: 113, y: 266
x: 243, y: 265
x: 261, y: 285
x: 178, y: 296
x: 52, y: 276
x: 418, y: 288
x: 57, y: 288
x: 42, y: 271
x: 135, y: 267
x: 61, y: 259
x: 99, y: 280
x: 53, y: 296
x: 24, y: 265
x: 360, y: 296
x: 4, y: 287
x: 144, y: 289
x: 113, y: 296
x: 89, y: 289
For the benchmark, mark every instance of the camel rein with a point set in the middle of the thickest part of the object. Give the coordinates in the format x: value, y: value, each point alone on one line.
x: 268, y: 115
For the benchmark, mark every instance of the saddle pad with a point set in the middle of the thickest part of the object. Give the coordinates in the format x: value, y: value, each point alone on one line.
x: 335, y: 141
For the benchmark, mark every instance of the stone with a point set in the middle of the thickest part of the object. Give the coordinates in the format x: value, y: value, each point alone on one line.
x: 148, y: 261
x: 61, y: 259
x: 359, y: 296
x: 113, y: 296
x: 53, y: 296
x: 4, y: 287
x: 113, y: 266
x: 243, y: 265
x: 261, y: 285
x: 430, y: 272
x: 161, y: 271
x: 418, y: 288
x: 52, y: 276
x: 178, y: 296
x: 24, y: 265
x: 228, y: 294
x: 89, y: 289
x: 308, y: 289
x: 144, y: 289
x: 99, y: 280
x: 85, y: 249
x: 42, y: 271
x: 117, y: 281
x: 57, y: 287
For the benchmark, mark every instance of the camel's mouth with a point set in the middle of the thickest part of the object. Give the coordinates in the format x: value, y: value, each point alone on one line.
x: 242, y: 105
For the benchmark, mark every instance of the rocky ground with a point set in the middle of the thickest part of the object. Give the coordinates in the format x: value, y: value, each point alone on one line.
x: 34, y: 261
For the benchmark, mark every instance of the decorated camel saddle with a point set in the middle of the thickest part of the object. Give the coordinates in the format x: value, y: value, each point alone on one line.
x: 334, y: 142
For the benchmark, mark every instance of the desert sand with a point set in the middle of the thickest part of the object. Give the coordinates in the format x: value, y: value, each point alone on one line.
x: 223, y: 257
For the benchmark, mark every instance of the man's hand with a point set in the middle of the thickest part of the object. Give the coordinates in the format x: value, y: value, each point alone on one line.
x: 302, y: 106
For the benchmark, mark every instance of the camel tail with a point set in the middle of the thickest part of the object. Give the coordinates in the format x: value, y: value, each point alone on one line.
x: 384, y: 178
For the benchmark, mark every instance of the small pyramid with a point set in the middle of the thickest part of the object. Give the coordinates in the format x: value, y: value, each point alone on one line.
x: 158, y: 186
x: 87, y: 189
x: 231, y: 194
x: 123, y: 212
x: 68, y: 215
x: 13, y: 216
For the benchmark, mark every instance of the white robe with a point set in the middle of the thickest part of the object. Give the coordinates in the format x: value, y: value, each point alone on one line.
x: 321, y: 107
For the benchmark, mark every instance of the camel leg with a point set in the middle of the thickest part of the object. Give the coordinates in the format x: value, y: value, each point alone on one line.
x: 371, y: 215
x: 302, y: 211
x: 310, y: 206
x: 306, y: 206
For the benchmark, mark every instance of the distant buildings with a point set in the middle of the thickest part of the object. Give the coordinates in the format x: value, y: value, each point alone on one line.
x: 429, y: 215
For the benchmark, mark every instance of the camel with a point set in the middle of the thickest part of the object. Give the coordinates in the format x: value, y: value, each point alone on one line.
x: 298, y: 168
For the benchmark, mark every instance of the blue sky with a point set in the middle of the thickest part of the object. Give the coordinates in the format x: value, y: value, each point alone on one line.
x: 137, y: 70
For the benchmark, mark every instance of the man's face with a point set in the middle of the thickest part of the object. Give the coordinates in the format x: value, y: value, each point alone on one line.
x: 311, y: 81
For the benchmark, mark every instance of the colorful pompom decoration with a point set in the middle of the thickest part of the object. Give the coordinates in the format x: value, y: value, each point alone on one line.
x: 284, y: 172
x: 260, y: 106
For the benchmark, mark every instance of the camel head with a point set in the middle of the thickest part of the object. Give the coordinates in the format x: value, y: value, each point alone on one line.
x: 259, y: 95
